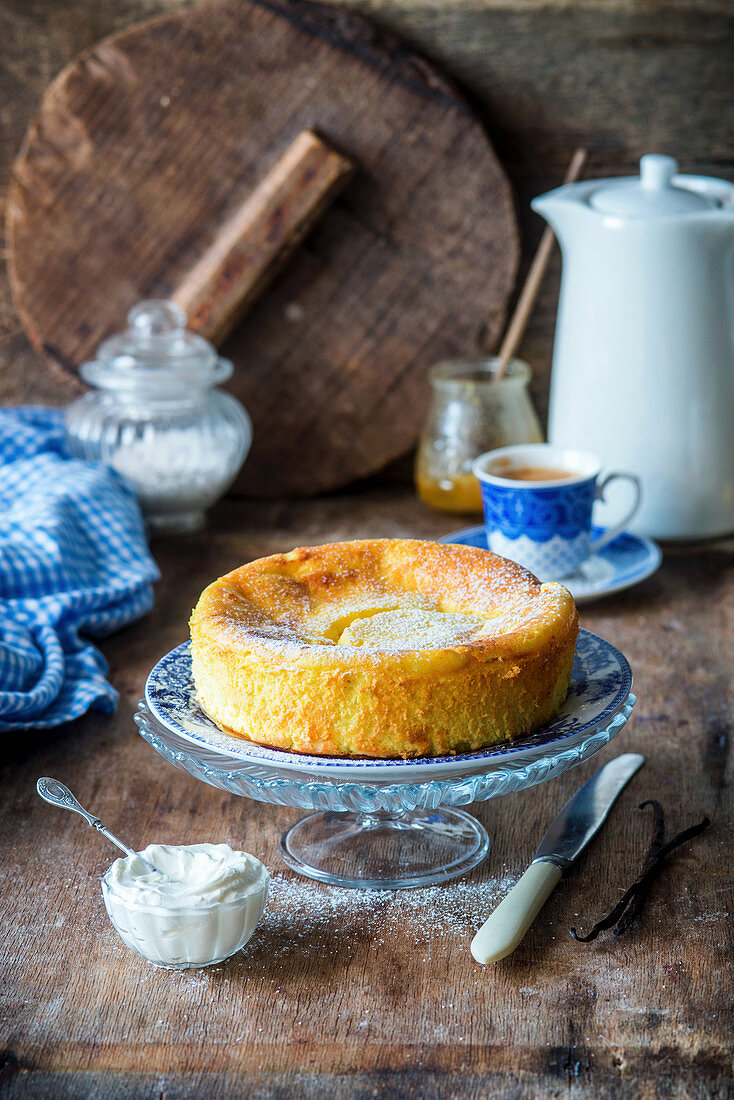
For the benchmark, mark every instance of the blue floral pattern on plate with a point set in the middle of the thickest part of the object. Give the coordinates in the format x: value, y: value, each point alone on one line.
x: 369, y: 796
x: 172, y: 721
x: 625, y: 562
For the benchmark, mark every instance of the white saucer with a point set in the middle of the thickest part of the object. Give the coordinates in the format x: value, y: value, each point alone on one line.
x: 625, y: 562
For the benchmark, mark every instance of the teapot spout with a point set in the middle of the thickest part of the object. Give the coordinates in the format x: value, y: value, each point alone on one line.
x: 566, y: 210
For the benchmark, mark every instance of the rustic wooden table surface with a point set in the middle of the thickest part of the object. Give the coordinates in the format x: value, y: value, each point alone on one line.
x: 352, y: 995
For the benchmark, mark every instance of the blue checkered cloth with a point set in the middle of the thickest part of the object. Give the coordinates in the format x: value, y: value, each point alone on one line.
x: 73, y: 565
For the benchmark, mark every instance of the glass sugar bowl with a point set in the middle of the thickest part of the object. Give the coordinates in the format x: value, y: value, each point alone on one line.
x: 473, y: 411
x: 155, y: 417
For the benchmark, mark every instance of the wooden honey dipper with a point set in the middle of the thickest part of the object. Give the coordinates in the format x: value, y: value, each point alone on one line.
x: 529, y: 293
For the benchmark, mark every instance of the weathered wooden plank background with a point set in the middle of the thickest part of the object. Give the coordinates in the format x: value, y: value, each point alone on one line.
x: 357, y: 998
x: 624, y: 78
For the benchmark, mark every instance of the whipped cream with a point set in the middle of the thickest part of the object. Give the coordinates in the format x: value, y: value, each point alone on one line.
x: 200, y: 904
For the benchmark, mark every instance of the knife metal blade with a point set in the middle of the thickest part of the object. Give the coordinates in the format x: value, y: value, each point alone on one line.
x: 587, y: 810
x: 573, y: 828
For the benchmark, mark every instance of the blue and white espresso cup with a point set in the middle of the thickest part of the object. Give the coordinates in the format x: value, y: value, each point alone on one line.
x: 545, y: 525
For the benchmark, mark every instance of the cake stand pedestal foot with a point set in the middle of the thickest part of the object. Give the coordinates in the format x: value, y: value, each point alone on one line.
x: 385, y: 851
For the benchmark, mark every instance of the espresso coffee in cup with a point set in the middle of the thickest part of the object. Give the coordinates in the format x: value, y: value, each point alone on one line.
x: 530, y: 473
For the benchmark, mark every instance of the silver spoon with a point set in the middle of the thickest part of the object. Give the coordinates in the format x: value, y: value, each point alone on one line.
x: 57, y: 794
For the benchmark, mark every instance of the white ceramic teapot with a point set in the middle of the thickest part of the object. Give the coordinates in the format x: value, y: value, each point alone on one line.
x: 643, y: 367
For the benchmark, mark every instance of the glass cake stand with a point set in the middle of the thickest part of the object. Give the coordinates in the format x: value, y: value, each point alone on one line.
x: 386, y: 824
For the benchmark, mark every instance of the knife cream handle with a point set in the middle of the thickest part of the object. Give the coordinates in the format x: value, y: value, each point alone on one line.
x: 504, y: 929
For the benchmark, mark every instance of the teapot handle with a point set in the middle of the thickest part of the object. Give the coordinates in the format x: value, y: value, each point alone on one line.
x: 612, y: 532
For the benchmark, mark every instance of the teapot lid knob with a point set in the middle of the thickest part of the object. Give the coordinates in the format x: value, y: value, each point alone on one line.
x: 657, y: 171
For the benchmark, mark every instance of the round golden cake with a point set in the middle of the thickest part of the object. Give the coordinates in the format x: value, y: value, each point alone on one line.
x: 382, y: 648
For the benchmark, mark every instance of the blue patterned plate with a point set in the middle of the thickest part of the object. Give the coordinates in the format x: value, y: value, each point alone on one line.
x: 599, y: 694
x: 625, y: 562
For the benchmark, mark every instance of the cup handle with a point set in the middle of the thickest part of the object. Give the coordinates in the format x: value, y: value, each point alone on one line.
x: 618, y: 527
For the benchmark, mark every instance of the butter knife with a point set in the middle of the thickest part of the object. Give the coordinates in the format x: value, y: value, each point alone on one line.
x: 579, y: 820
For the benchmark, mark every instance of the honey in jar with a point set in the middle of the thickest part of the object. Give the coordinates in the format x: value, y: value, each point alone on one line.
x: 472, y: 411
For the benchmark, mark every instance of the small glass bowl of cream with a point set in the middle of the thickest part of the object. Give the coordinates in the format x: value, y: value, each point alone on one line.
x: 200, y: 905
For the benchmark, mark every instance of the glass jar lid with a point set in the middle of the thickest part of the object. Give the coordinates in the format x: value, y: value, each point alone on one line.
x: 156, y: 352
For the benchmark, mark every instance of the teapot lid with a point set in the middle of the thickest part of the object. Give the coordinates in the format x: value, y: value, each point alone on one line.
x: 652, y: 194
x: 155, y: 348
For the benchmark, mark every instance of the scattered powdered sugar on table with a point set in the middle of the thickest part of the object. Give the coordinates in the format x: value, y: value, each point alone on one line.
x: 312, y: 910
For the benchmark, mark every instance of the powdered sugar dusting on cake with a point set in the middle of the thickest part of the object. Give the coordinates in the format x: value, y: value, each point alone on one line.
x: 363, y: 597
x: 404, y: 629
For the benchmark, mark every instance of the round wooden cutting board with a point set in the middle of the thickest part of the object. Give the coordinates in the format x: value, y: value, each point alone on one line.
x: 144, y: 146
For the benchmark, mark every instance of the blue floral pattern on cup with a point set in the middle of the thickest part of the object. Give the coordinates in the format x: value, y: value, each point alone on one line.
x: 539, y: 514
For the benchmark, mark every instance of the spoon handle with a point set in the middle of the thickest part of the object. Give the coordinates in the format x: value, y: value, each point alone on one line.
x: 57, y: 794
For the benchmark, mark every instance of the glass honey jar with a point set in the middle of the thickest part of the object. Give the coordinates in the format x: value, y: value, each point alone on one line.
x: 473, y: 411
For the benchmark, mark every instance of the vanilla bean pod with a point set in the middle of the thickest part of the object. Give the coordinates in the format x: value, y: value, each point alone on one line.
x: 634, y: 909
x: 628, y: 908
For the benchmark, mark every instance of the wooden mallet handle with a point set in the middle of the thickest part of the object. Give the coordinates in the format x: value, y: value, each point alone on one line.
x: 257, y: 239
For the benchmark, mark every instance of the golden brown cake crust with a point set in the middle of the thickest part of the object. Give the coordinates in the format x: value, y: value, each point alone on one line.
x: 382, y: 648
